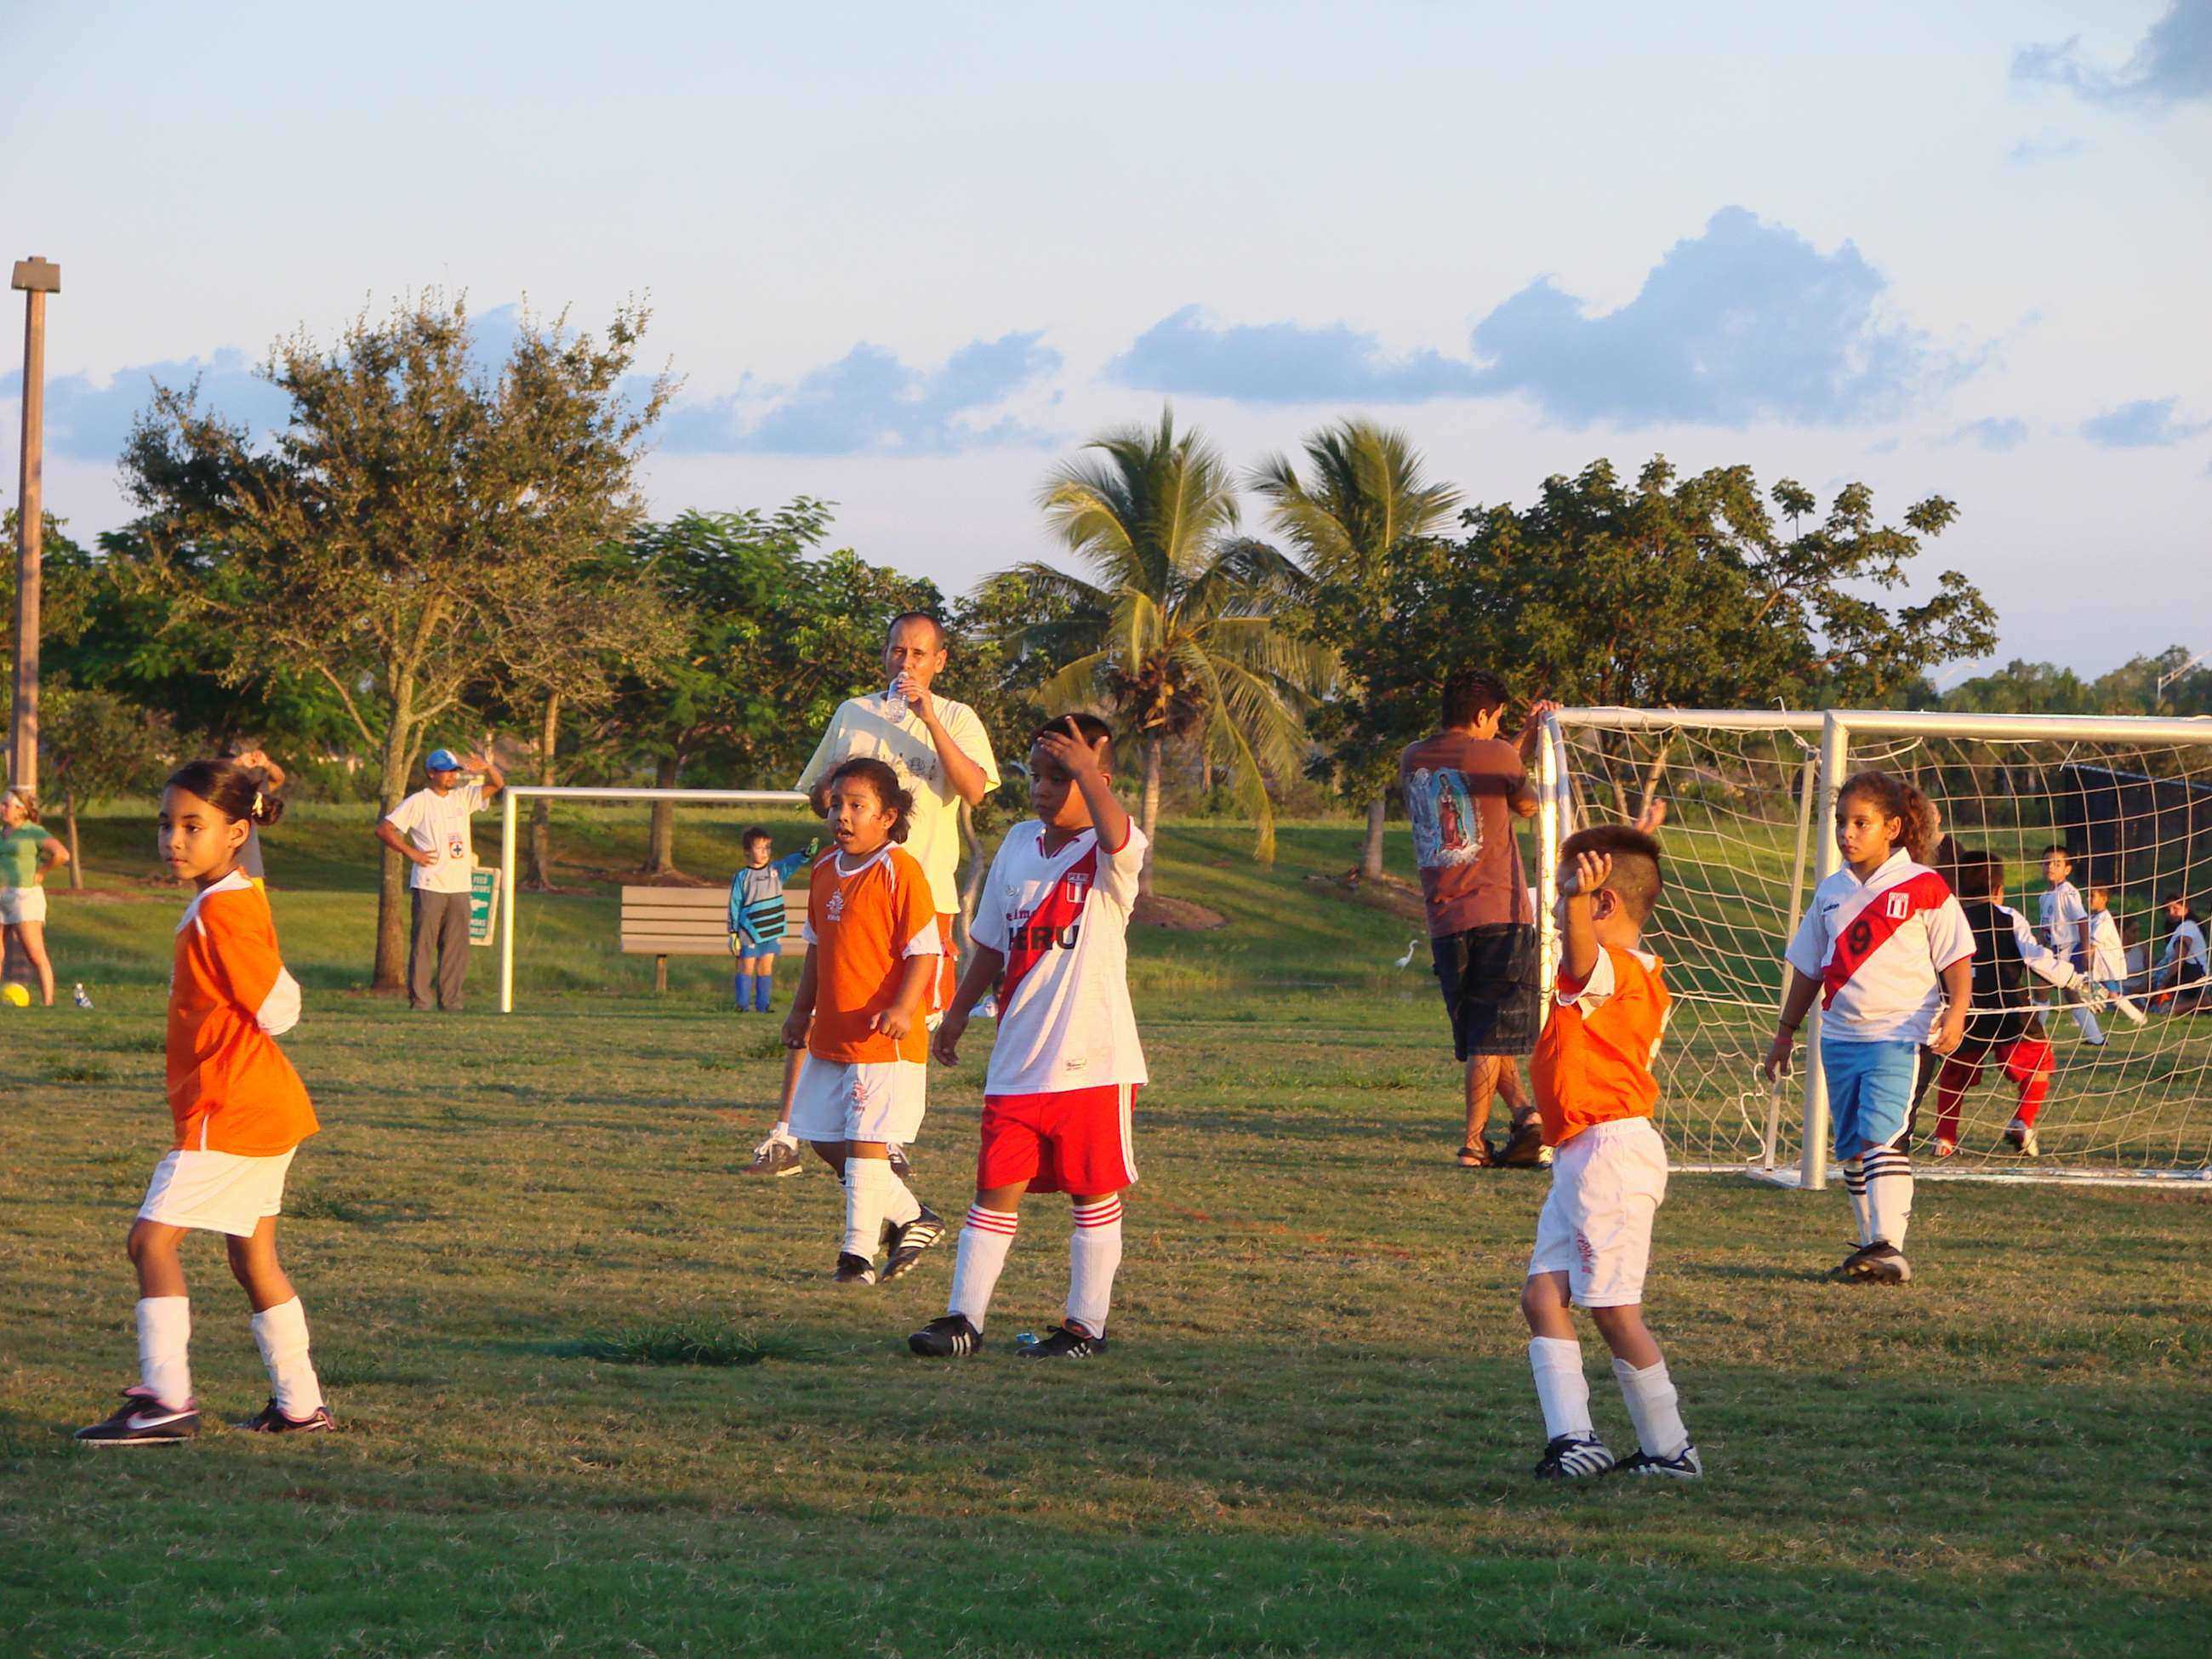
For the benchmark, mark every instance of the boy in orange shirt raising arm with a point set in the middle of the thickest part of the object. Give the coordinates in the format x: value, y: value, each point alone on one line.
x: 1595, y: 1088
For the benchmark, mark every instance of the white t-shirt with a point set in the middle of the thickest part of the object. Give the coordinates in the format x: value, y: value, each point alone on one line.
x: 2060, y: 914
x: 2185, y: 944
x: 862, y: 729
x: 1878, y: 948
x: 1061, y: 921
x: 2107, y: 960
x: 439, y: 825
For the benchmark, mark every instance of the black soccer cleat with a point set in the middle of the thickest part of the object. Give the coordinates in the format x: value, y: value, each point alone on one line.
x: 1881, y: 1263
x: 1684, y: 1465
x: 1574, y: 1457
x: 853, y: 1270
x: 909, y: 1241
x: 271, y: 1419
x: 143, y: 1420
x: 949, y: 1336
x: 1065, y: 1343
x: 1524, y: 1146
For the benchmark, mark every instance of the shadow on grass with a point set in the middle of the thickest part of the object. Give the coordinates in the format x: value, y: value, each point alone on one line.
x: 696, y: 1342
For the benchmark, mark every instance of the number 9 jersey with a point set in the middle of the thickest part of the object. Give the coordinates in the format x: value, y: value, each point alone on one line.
x: 1878, y: 948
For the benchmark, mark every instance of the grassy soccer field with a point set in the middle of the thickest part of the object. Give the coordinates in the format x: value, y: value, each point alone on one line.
x: 599, y: 1397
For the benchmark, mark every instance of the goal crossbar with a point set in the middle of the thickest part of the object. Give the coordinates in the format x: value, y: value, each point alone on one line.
x: 516, y: 793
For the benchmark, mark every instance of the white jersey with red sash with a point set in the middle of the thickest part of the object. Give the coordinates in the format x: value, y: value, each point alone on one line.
x: 1878, y: 948
x: 1061, y: 921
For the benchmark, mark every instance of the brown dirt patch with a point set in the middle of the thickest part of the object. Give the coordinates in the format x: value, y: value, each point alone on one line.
x: 1179, y: 914
x: 1393, y: 895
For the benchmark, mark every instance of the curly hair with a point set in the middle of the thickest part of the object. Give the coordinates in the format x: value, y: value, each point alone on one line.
x: 1894, y: 797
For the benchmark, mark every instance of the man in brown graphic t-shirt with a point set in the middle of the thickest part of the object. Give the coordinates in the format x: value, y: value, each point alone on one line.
x: 1464, y: 787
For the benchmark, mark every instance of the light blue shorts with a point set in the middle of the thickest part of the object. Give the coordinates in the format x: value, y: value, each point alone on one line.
x: 749, y: 951
x: 1869, y: 1092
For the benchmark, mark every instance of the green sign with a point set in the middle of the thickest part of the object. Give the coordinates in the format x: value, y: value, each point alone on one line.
x: 483, y: 903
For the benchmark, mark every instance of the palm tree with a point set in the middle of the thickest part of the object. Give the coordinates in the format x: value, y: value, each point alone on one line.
x: 1177, y: 633
x: 1363, y: 499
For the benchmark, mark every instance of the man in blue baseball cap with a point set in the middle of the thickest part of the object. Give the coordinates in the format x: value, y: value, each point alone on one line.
x: 430, y: 830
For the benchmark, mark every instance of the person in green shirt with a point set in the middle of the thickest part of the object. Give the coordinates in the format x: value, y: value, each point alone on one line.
x: 27, y: 851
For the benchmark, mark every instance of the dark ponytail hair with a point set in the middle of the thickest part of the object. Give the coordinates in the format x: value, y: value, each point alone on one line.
x: 234, y: 791
x: 884, y: 783
x: 1896, y: 799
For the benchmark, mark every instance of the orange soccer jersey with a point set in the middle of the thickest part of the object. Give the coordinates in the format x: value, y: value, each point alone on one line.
x: 864, y: 924
x: 231, y: 1089
x: 1594, y: 1065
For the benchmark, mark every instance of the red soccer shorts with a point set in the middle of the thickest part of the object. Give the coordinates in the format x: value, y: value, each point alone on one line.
x: 1073, y: 1140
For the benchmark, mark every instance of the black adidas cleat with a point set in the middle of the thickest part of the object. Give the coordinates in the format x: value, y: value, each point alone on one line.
x: 1065, y: 1342
x: 142, y: 1421
x: 1854, y: 1265
x: 949, y: 1336
x: 854, y: 1270
x: 1882, y: 1263
x: 909, y: 1241
x: 271, y: 1419
x: 1684, y: 1465
x: 1574, y: 1457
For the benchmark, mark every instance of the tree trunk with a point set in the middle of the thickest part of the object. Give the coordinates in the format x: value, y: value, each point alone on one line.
x: 660, y: 848
x: 1206, y: 774
x: 69, y: 820
x: 1149, y: 812
x: 971, y: 890
x: 389, y: 972
x: 538, y: 878
x: 1371, y: 850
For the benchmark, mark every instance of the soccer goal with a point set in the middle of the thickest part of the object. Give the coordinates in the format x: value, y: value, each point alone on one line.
x: 510, y: 798
x: 1750, y: 795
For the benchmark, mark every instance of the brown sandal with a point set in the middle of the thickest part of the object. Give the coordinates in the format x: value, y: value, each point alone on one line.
x: 1476, y: 1156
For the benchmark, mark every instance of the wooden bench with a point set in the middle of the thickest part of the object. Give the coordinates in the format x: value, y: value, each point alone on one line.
x: 693, y: 921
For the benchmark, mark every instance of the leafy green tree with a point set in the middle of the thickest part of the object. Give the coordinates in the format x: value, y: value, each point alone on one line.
x: 97, y: 746
x: 1178, y: 634
x: 1363, y: 497
x: 371, y: 544
x: 775, y: 638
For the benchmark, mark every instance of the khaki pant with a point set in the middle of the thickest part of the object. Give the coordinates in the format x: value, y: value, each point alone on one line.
x: 439, y: 954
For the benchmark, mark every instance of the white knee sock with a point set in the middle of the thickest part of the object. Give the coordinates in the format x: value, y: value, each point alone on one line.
x: 2087, y: 1021
x: 868, y: 1183
x: 1854, y: 1183
x: 1651, y: 1406
x: 1889, y: 1193
x: 1094, y: 1251
x: 281, y: 1333
x: 1561, y: 1389
x: 165, y: 1339
x: 899, y: 1205
x: 978, y: 1259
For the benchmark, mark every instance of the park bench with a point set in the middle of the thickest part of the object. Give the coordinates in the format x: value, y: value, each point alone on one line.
x: 693, y: 921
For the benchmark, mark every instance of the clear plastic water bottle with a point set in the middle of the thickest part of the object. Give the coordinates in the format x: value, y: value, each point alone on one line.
x: 82, y: 1000
x: 894, y: 705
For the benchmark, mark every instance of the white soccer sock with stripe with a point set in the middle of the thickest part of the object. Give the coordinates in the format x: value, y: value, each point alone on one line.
x: 281, y: 1333
x: 1094, y: 1252
x: 1561, y: 1389
x: 1889, y: 1193
x: 978, y: 1259
x: 1652, y: 1408
x: 1854, y: 1183
x: 2087, y: 1021
x: 868, y: 1183
x: 165, y: 1340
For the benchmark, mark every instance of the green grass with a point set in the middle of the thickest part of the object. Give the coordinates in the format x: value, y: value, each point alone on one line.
x: 599, y: 1397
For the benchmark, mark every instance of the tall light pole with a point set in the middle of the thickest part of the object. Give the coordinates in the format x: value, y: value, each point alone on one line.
x: 37, y: 278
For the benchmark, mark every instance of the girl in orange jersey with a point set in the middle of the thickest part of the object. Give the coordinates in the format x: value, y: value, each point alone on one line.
x: 240, y: 1112
x: 871, y: 954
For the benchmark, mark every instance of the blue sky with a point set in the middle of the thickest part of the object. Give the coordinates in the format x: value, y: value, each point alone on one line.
x: 903, y: 257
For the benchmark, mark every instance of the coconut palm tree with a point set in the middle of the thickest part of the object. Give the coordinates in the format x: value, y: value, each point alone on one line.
x: 1363, y: 498
x: 1175, y: 634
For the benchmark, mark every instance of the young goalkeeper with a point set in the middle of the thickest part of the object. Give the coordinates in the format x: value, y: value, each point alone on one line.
x: 1595, y: 1088
x: 1051, y: 933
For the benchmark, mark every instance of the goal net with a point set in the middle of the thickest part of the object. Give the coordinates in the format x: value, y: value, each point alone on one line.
x: 1749, y: 832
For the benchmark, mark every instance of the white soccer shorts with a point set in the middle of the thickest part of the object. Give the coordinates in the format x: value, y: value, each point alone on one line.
x: 1606, y: 1184
x: 216, y: 1192
x: 861, y: 1100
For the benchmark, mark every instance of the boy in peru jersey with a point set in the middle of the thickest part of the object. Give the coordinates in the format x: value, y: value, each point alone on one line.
x: 1051, y: 936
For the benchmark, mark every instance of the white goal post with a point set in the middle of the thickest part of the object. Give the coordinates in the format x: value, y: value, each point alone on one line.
x: 1751, y: 795
x: 514, y: 792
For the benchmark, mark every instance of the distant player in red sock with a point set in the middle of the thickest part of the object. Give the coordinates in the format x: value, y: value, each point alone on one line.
x: 2002, y: 1023
x: 1051, y: 935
